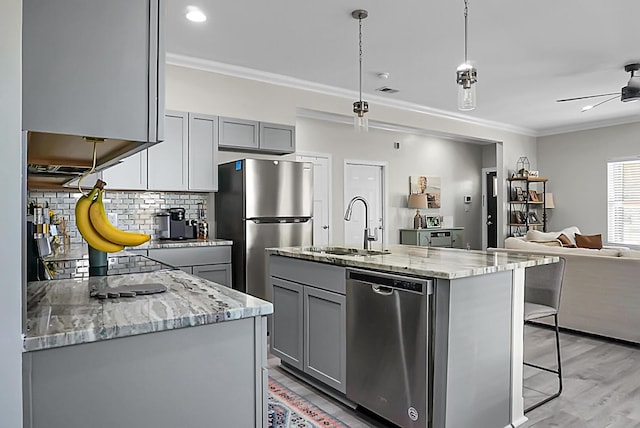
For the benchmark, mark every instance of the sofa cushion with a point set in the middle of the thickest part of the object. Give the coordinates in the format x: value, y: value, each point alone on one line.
x: 565, y: 241
x: 535, y: 236
x: 589, y: 241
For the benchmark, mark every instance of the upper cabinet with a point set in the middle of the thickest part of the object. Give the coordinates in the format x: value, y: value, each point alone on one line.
x: 168, y: 162
x: 203, y: 152
x: 247, y: 135
x: 130, y: 174
x: 94, y: 68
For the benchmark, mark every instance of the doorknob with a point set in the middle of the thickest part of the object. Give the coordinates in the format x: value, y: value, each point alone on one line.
x: 489, y: 223
x: 325, y: 227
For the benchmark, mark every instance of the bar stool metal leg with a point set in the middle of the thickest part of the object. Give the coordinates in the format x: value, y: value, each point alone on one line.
x: 558, y: 372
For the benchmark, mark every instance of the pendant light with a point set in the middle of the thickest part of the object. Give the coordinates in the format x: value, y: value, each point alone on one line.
x: 466, y: 74
x: 360, y: 122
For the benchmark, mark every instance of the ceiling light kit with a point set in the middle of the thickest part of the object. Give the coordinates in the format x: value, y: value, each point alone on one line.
x: 629, y: 93
x: 195, y: 15
x: 466, y: 74
x: 360, y: 107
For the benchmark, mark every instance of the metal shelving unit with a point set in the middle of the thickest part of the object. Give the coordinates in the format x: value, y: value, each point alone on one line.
x: 524, y: 210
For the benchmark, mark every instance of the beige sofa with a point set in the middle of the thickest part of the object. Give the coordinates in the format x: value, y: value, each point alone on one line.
x: 601, y: 289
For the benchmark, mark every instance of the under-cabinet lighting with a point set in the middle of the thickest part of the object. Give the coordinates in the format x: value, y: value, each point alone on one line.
x: 196, y: 15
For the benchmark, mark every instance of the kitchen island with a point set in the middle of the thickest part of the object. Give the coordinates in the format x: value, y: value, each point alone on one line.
x: 192, y: 356
x: 468, y: 331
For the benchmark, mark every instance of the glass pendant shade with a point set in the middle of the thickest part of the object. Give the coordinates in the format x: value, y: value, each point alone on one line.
x: 361, y: 123
x: 466, y: 97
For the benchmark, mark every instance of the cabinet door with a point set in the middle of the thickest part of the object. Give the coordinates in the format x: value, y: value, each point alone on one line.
x: 87, y: 183
x: 168, y: 161
x: 457, y: 238
x: 286, y: 326
x: 93, y: 68
x: 277, y: 138
x: 203, y: 152
x: 130, y: 174
x: 238, y: 133
x: 220, y: 274
x: 423, y: 238
x: 325, y: 337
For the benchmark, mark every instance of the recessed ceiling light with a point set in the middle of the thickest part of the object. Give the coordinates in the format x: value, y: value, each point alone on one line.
x: 195, y: 15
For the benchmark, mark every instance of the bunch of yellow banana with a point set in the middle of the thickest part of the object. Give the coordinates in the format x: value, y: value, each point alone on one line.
x: 95, y: 227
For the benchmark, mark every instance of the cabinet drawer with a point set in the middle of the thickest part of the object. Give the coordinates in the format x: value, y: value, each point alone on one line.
x: 192, y: 256
x: 440, y: 239
x: 320, y: 275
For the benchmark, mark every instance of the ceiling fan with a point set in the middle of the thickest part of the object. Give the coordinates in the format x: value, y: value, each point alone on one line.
x: 631, y: 92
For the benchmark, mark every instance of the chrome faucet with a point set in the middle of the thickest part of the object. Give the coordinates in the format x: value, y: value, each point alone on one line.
x: 368, y: 237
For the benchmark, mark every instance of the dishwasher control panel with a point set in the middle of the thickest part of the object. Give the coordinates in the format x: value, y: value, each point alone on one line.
x: 401, y: 283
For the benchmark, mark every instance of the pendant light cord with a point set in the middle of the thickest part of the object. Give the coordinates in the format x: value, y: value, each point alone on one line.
x: 466, y: 12
x: 360, y: 53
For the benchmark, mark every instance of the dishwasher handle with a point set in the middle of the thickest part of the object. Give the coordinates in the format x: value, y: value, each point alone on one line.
x: 382, y: 290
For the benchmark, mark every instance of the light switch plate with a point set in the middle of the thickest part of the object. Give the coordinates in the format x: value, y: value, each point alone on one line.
x: 113, y: 218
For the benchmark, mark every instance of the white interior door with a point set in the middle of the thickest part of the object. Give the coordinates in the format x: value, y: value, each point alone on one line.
x: 321, y: 196
x: 365, y: 179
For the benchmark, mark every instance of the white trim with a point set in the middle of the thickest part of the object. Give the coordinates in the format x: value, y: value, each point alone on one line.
x: 587, y: 126
x: 291, y: 82
x: 483, y: 225
x: 385, y: 194
x: 329, y: 159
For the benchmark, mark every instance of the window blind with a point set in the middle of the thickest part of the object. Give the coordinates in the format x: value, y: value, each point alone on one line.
x: 623, y: 188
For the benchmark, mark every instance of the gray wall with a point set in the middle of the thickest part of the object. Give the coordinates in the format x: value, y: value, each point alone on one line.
x: 11, y: 196
x: 576, y: 165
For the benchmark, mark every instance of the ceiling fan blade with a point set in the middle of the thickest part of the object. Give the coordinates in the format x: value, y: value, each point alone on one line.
x: 600, y: 103
x: 588, y: 96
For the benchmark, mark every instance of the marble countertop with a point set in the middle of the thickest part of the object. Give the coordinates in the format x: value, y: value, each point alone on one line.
x: 446, y: 263
x: 61, y: 313
x: 80, y: 251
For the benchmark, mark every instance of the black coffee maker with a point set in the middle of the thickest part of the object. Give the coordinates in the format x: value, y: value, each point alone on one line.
x: 174, y: 226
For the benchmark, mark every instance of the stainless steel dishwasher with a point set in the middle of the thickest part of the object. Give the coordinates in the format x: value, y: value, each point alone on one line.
x: 387, y: 345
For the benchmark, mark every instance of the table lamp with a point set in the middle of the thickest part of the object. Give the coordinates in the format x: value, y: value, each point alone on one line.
x: 417, y: 201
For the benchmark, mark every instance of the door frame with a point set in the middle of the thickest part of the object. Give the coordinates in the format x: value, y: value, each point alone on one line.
x: 328, y: 157
x: 483, y: 217
x: 385, y: 194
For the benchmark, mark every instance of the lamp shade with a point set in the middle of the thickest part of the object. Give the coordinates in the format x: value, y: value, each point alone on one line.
x: 548, y: 200
x: 417, y: 200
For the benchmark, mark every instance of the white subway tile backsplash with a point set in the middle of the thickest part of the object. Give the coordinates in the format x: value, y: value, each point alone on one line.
x: 136, y: 211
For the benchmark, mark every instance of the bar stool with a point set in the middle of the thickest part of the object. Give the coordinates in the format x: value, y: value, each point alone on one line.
x: 542, y: 288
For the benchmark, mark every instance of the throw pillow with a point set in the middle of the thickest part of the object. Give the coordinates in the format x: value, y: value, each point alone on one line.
x: 589, y: 241
x: 570, y: 232
x: 565, y: 241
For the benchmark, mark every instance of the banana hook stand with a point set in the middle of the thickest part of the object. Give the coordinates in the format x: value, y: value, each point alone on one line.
x: 97, y: 262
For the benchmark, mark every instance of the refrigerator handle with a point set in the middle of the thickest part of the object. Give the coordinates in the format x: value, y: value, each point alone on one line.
x: 266, y: 220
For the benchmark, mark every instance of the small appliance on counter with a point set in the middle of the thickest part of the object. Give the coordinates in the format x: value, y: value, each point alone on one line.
x: 173, y: 226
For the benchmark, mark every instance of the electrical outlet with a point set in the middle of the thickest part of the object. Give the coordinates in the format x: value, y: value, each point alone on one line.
x: 113, y: 218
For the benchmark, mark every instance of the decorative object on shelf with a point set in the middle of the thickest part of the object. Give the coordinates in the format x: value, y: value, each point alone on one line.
x: 433, y: 221
x: 360, y: 108
x: 523, y: 166
x: 519, y: 194
x: 532, y: 218
x: 417, y: 201
x: 466, y: 74
x: 429, y: 186
x: 533, y: 196
x: 534, y: 174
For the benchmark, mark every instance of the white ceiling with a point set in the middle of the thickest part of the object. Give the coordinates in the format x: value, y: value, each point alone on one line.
x: 528, y: 54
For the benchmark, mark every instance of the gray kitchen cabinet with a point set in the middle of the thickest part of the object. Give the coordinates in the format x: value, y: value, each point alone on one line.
x: 168, y: 161
x: 238, y: 134
x: 211, y: 263
x: 87, y: 182
x: 287, y: 322
x: 309, y: 318
x: 129, y: 174
x: 94, y: 68
x: 277, y: 138
x: 203, y: 153
x: 325, y: 339
x: 441, y: 237
x: 253, y: 136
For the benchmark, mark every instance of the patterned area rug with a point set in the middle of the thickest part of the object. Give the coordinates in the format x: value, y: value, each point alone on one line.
x: 288, y: 410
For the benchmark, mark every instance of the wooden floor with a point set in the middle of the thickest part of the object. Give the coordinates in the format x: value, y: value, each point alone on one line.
x: 601, y: 384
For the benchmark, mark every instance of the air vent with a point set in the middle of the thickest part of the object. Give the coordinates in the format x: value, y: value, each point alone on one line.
x: 387, y: 90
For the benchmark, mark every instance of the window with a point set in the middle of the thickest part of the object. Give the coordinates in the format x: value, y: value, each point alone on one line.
x: 623, y: 188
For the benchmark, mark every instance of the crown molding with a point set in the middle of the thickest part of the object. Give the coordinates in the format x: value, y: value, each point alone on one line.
x: 588, y: 126
x: 291, y: 82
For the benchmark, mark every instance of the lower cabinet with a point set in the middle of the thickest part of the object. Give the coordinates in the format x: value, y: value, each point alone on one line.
x: 309, y: 318
x: 211, y: 263
x: 450, y: 238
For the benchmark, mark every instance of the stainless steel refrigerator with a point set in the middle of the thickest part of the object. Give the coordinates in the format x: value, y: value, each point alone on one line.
x: 261, y: 204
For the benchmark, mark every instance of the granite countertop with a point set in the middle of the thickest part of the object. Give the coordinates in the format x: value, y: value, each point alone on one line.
x: 446, y: 263
x: 80, y: 251
x: 61, y: 313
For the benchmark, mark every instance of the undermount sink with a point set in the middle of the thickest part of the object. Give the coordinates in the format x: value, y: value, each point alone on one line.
x: 346, y: 251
